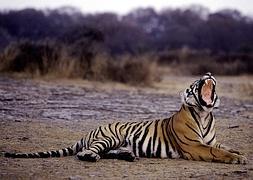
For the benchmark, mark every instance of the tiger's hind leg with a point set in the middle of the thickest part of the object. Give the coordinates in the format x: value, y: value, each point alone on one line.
x: 121, y: 154
x: 93, y: 152
x: 88, y: 155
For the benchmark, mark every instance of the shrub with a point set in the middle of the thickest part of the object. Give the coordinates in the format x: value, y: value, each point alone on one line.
x: 50, y: 59
x: 192, y: 62
x: 139, y: 71
x: 29, y: 57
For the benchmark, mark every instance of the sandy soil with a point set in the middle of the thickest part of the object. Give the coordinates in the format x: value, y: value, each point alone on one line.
x: 39, y: 115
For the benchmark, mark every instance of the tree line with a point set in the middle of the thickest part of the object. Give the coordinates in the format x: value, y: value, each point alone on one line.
x: 190, y: 40
x: 139, y: 31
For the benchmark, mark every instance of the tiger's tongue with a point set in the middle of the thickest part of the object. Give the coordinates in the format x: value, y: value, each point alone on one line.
x: 206, y: 92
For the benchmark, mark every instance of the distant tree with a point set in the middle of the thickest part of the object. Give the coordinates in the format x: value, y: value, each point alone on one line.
x: 140, y: 31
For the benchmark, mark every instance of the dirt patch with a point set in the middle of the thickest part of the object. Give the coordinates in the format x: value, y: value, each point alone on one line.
x: 38, y: 115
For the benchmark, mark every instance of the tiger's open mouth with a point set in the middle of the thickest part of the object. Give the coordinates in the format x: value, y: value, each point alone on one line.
x: 206, y: 94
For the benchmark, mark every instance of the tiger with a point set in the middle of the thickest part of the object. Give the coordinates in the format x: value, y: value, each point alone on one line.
x: 188, y: 134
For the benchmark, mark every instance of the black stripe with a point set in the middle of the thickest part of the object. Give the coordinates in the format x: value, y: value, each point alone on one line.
x: 116, y: 132
x: 97, y: 147
x: 127, y: 133
x: 133, y: 128
x: 10, y: 155
x: 208, y: 121
x: 209, y: 142
x: 53, y: 154
x: 112, y: 138
x: 179, y: 148
x: 169, y: 136
x: 96, y: 133
x: 30, y: 155
x: 104, y: 144
x: 167, y: 149
x: 58, y: 154
x: 175, y: 145
x: 158, y: 151
x: 195, y: 119
x: 155, y: 134
x: 77, y: 147
x: 110, y: 129
x: 190, y: 105
x: 148, y: 151
x: 139, y: 125
x: 136, y: 136
x: 82, y: 142
x: 64, y: 152
x: 194, y: 140
x: 202, y: 159
x: 122, y: 143
x: 121, y: 127
x: 89, y: 137
x: 128, y: 129
x: 209, y: 126
x: 194, y: 111
x: 211, y: 151
x: 141, y: 153
x: 172, y: 129
x: 186, y: 152
x: 70, y: 151
x: 193, y: 130
x: 20, y: 155
x: 37, y: 156
x: 107, y: 139
x: 42, y: 155
x: 216, y: 98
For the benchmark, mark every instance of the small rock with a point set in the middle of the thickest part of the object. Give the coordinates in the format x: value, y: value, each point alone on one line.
x: 240, y: 172
x: 233, y: 126
x: 23, y: 138
x: 77, y: 177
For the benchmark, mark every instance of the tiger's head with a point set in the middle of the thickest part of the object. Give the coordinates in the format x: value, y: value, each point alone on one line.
x: 202, y: 94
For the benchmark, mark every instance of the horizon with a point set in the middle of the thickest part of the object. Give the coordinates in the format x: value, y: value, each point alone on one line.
x: 124, y: 7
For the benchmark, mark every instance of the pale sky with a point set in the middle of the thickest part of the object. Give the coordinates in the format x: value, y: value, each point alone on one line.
x: 124, y: 6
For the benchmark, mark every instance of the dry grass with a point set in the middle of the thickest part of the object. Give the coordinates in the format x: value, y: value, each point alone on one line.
x: 192, y: 62
x: 48, y: 59
x: 139, y: 70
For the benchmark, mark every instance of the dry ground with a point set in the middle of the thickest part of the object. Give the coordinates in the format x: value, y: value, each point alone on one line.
x: 39, y: 115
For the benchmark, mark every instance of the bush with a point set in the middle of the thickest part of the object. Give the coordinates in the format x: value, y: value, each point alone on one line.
x: 50, y: 59
x: 29, y: 57
x: 138, y: 71
x: 192, y: 62
x: 129, y: 70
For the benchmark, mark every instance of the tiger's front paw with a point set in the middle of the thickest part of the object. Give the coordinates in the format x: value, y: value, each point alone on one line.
x: 239, y: 159
x: 88, y: 155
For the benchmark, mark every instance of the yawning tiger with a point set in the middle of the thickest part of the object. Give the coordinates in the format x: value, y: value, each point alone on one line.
x: 188, y: 134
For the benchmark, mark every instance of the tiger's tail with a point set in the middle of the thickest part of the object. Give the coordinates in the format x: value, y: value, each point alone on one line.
x: 70, y: 151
